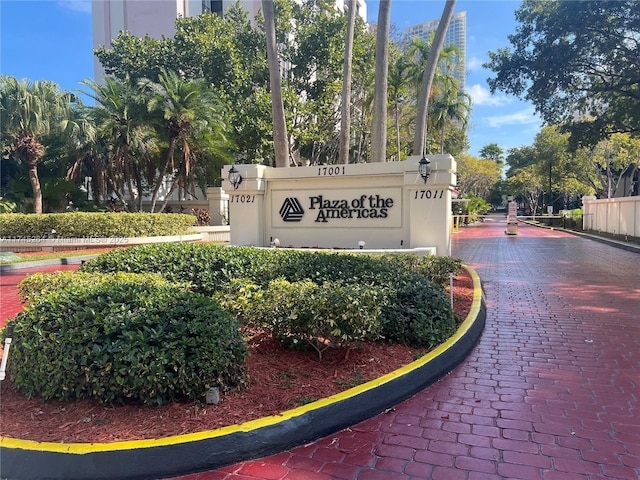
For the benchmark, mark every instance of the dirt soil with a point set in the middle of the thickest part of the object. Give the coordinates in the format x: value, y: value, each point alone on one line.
x: 279, y: 380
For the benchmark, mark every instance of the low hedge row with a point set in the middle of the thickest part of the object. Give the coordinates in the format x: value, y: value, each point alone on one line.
x: 94, y: 224
x: 37, y: 285
x: 185, y: 262
x: 211, y: 269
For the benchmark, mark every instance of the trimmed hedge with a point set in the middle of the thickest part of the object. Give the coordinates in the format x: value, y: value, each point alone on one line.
x: 417, y: 313
x: 92, y: 225
x: 119, y: 331
x: 37, y: 285
x: 185, y: 262
x: 118, y: 342
x: 422, y: 316
x: 436, y: 269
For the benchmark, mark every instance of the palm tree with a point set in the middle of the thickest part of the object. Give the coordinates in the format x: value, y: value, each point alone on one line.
x: 379, y: 125
x: 397, y: 94
x: 119, y: 116
x: 493, y: 152
x: 188, y: 113
x: 417, y: 55
x: 451, y: 104
x: 345, y: 108
x: 280, y: 140
x: 82, y: 139
x: 30, y: 111
x: 427, y: 79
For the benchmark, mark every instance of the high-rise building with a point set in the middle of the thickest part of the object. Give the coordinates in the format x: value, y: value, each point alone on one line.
x: 156, y: 18
x: 456, y: 35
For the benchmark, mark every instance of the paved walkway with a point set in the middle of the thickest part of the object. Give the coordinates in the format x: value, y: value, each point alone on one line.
x: 550, y: 392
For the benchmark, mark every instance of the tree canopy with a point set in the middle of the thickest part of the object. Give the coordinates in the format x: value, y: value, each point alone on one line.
x: 171, y: 111
x: 494, y: 152
x: 577, y: 62
x: 30, y: 112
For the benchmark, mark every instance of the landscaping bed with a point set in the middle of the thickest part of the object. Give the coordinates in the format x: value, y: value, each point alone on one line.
x: 278, y: 379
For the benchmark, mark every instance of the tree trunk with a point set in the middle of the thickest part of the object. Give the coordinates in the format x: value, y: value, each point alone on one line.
x: 30, y: 151
x: 35, y: 186
x: 280, y: 139
x: 427, y: 79
x: 163, y: 172
x: 345, y: 108
x: 379, y: 122
x: 397, y: 121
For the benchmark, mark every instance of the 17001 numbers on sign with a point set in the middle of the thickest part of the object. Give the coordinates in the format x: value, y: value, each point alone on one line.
x: 330, y: 171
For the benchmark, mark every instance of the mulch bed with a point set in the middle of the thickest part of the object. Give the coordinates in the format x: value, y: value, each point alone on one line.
x: 279, y: 379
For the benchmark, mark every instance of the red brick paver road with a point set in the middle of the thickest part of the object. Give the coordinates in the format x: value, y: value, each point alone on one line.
x: 9, y: 279
x: 550, y: 392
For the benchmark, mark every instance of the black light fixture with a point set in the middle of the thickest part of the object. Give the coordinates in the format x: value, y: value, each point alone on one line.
x: 234, y: 177
x: 424, y: 168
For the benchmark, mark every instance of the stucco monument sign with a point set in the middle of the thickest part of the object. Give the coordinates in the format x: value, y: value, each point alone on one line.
x: 385, y: 205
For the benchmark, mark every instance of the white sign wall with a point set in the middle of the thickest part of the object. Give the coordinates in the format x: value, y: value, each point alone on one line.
x: 385, y: 205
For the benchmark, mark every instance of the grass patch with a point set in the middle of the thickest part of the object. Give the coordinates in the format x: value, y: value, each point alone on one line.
x: 39, y: 257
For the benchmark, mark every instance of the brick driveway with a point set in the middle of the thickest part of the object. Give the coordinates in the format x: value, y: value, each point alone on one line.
x: 550, y: 392
x: 9, y: 279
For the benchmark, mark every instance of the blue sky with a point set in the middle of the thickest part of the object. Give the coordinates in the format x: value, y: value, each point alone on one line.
x: 51, y: 40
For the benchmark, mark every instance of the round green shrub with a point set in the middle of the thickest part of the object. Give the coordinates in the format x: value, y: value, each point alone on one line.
x: 120, y: 342
x: 332, y: 314
x: 417, y: 312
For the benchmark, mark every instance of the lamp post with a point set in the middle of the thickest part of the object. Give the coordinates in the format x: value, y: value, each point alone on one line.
x: 235, y: 179
x: 424, y: 168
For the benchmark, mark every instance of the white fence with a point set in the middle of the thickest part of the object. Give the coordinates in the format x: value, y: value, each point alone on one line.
x: 216, y: 234
x: 618, y: 216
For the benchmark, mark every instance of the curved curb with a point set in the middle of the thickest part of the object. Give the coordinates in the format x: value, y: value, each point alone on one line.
x: 203, y: 451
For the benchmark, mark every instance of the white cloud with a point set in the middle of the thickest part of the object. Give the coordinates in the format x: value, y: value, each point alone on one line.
x: 76, y: 5
x: 522, y: 117
x: 481, y: 96
x: 474, y: 63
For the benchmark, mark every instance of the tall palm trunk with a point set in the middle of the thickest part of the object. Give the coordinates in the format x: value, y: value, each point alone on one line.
x: 345, y: 109
x: 35, y: 186
x: 163, y: 172
x: 379, y: 126
x: 31, y: 151
x: 427, y: 78
x: 397, y: 124
x: 280, y: 139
